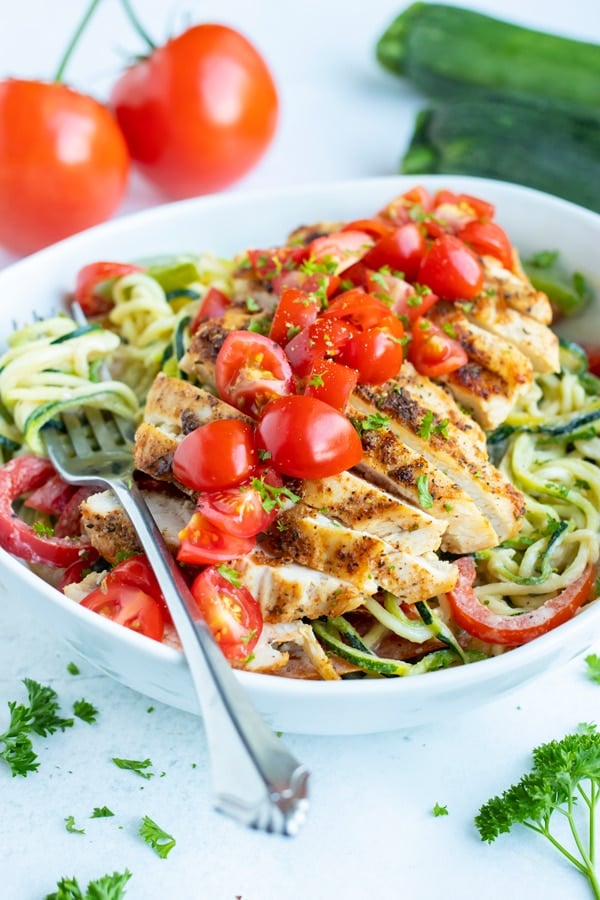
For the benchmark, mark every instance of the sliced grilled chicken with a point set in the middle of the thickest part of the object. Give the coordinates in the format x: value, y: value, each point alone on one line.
x: 367, y: 562
x: 108, y: 527
x: 358, y: 504
x: 531, y: 337
x: 449, y: 451
x: 291, y: 649
x: 515, y: 289
x: 496, y: 375
x: 288, y: 590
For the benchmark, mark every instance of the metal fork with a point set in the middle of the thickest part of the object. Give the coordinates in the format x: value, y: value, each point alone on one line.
x: 256, y: 780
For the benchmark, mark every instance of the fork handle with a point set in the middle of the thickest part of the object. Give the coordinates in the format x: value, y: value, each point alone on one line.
x: 256, y: 779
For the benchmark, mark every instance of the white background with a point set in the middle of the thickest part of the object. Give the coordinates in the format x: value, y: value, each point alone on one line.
x: 371, y: 831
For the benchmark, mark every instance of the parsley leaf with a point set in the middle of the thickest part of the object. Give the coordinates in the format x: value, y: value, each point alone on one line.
x: 101, y: 812
x: 109, y: 887
x: 158, y: 839
x: 593, y: 667
x: 71, y: 827
x: 134, y: 765
x: 439, y: 810
x: 425, y: 498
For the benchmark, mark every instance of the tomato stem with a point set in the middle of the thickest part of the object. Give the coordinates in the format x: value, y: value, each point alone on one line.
x: 137, y: 24
x: 75, y: 40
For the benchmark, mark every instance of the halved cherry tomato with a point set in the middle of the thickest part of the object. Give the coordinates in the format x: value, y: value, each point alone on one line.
x: 475, y: 618
x: 270, y: 262
x: 250, y: 370
x: 68, y: 524
x: 241, y: 510
x: 296, y: 309
x: 401, y: 297
x: 217, y: 455
x: 340, y: 247
x: 128, y: 606
x: 307, y: 438
x: 433, y: 352
x: 321, y: 283
x: 321, y: 340
x: 202, y: 543
x: 401, y: 250
x: 136, y: 571
x: 230, y: 611
x: 91, y: 285
x: 19, y: 476
x: 400, y: 209
x: 377, y: 228
x: 213, y: 305
x: 376, y: 353
x: 488, y: 239
x: 357, y: 308
x: 451, y: 270
x: 332, y: 383
x: 481, y: 209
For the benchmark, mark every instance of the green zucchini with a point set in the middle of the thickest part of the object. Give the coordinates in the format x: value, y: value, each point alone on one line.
x: 569, y: 292
x: 534, y: 145
x: 450, y: 52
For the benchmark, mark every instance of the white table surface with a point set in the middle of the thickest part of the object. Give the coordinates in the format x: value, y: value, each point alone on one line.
x: 371, y: 831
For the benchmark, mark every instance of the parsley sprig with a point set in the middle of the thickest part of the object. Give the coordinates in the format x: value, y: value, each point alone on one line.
x: 109, y: 887
x: 40, y: 717
x: 564, y: 780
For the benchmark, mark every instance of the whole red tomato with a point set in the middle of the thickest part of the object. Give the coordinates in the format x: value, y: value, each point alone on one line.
x: 199, y: 112
x: 63, y: 163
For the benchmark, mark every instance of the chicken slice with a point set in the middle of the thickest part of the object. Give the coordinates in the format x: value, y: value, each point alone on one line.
x: 515, y: 289
x: 496, y: 374
x: 358, y: 504
x: 367, y: 562
x: 276, y: 653
x: 288, y: 590
x: 449, y: 450
x: 110, y: 531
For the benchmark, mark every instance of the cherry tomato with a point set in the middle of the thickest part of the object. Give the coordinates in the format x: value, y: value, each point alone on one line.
x: 128, y: 606
x: 401, y: 298
x: 357, y: 308
x: 307, y: 438
x: 376, y: 353
x: 241, y: 510
x: 51, y: 497
x: 296, y: 309
x: 342, y: 248
x: 202, y: 543
x: 324, y: 283
x: 212, y: 306
x: 136, y: 571
x: 77, y: 571
x: 481, y: 209
x: 63, y: 163
x: 217, y: 455
x: 199, y: 112
x: 250, y: 370
x: 488, y: 239
x: 451, y: 270
x: 230, y: 611
x: 332, y: 383
x: 68, y: 524
x: 17, y: 477
x: 475, y: 618
x: 376, y: 227
x: 271, y: 262
x: 91, y: 285
x: 399, y: 210
x: 433, y: 352
x: 401, y: 250
x: 321, y: 340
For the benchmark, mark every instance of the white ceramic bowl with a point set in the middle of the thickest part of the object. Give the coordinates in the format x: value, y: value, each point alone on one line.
x: 227, y: 224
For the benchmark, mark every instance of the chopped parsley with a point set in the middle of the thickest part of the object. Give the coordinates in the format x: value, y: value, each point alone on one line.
x: 425, y: 498
x: 135, y: 765
x: 101, y: 812
x: 40, y: 717
x: 71, y: 827
x: 593, y: 667
x: 439, y: 810
x: 158, y: 839
x: 72, y: 669
x: 85, y: 711
x: 372, y: 422
x: 231, y: 575
x: 272, y: 496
